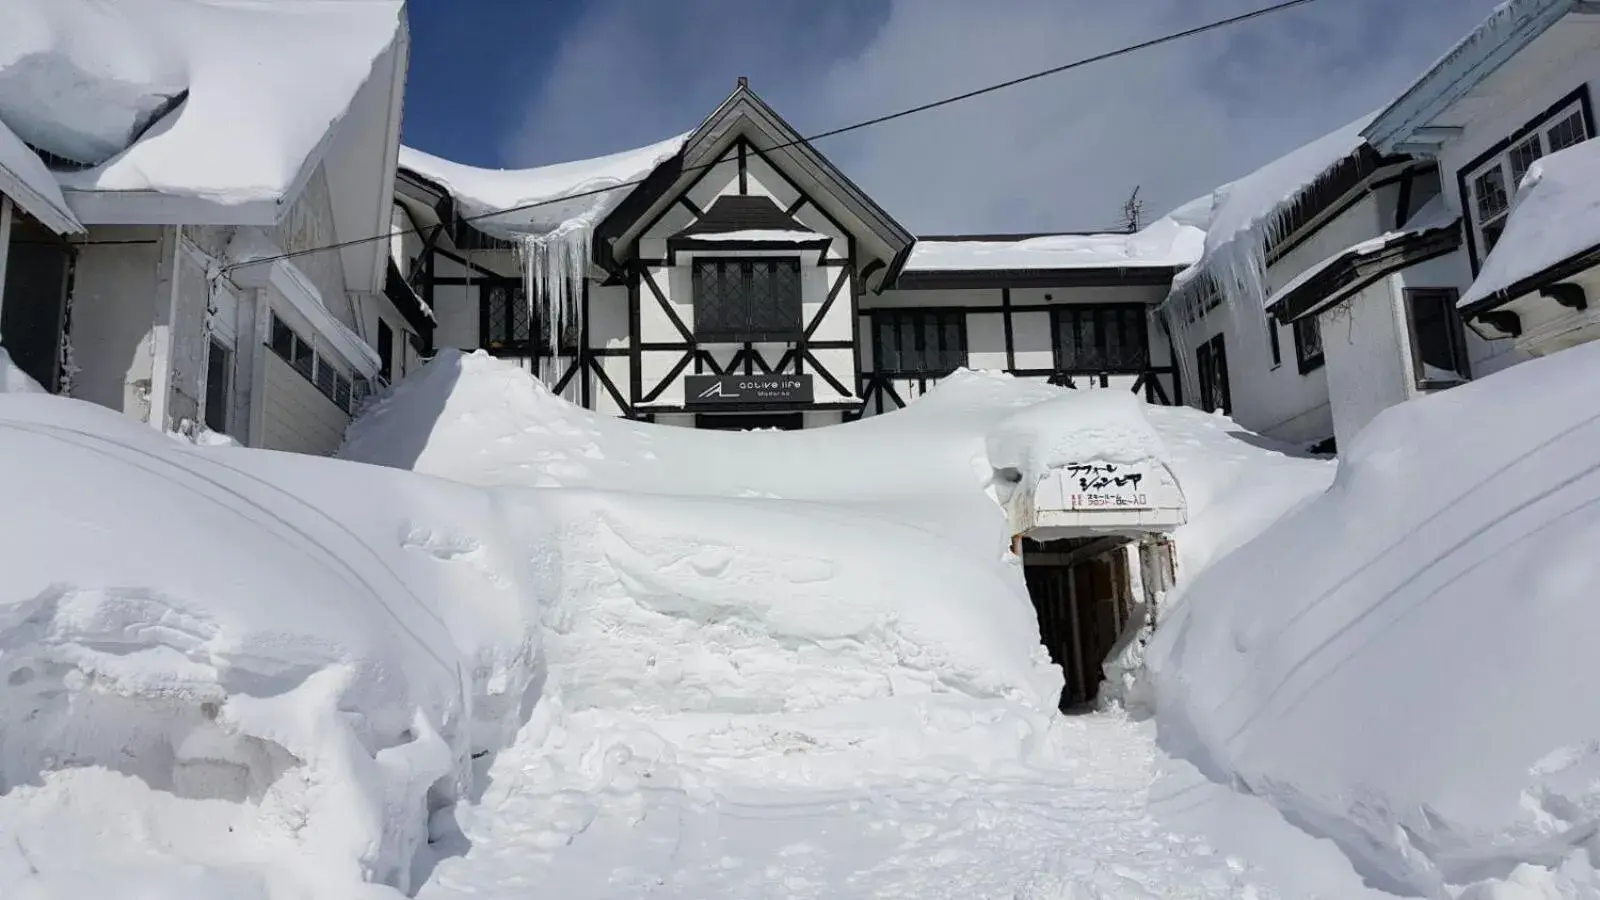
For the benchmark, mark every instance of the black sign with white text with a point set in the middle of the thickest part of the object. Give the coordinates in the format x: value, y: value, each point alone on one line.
x: 723, y: 390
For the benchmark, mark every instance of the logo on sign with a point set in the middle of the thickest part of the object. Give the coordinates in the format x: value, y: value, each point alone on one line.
x: 726, y: 389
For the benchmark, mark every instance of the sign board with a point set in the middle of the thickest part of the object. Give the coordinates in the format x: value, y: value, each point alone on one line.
x: 1103, y: 485
x: 727, y: 390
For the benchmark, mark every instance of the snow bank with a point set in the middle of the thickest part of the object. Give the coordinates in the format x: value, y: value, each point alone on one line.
x: 15, y: 381
x: 1404, y: 663
x: 85, y: 80
x: 239, y: 673
x: 557, y: 193
x: 1166, y: 242
x: 1556, y: 216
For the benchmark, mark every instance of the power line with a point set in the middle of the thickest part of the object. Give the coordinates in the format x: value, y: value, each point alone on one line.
x: 868, y: 123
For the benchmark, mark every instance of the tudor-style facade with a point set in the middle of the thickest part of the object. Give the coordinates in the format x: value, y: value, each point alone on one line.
x: 747, y: 282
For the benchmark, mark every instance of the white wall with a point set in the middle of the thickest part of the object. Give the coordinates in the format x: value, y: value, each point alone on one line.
x: 309, y: 224
x: 295, y: 415
x: 1368, y: 357
x: 113, y: 310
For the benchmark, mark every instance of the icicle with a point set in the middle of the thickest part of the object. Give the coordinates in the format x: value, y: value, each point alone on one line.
x: 553, y: 268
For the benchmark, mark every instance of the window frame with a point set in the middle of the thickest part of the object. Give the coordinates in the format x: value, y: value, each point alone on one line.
x: 219, y: 420
x: 749, y: 331
x: 1455, y: 330
x: 1211, y: 370
x: 385, y: 350
x: 1307, y: 358
x: 1101, y: 312
x: 1274, y: 344
x: 1499, y: 161
x: 514, y: 295
x: 948, y: 358
x: 279, y: 331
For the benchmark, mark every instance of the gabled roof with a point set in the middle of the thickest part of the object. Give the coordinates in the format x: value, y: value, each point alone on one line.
x: 744, y: 113
x: 1404, y: 126
x: 24, y: 178
x: 734, y: 213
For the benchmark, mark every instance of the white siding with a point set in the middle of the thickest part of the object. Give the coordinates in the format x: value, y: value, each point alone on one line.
x: 295, y: 415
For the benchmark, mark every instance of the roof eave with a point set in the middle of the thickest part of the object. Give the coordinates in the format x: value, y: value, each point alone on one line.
x: 1059, y: 277
x: 1497, y: 39
x: 1354, y: 272
x: 1567, y: 268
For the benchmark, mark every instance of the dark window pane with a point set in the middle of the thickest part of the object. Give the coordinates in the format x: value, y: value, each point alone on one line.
x: 747, y: 299
x: 324, y: 379
x: 1436, y: 336
x: 219, y: 378
x: 1523, y: 156
x: 385, y: 350
x: 302, y: 357
x: 1489, y: 192
x: 1308, y: 340
x: 282, y: 340
x: 341, y: 392
x: 955, y: 343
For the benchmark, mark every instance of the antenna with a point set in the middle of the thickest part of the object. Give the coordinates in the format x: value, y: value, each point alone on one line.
x: 1133, y: 212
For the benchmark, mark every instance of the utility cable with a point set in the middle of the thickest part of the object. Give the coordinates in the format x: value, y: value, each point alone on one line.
x: 834, y: 132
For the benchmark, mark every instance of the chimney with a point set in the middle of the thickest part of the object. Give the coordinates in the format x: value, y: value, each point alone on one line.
x: 744, y: 82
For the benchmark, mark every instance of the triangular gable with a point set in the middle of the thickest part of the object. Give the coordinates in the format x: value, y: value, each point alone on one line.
x: 746, y: 127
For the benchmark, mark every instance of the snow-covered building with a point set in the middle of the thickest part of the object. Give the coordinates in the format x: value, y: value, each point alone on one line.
x: 733, y: 277
x: 225, y: 192
x: 1336, y: 280
x: 1497, y: 112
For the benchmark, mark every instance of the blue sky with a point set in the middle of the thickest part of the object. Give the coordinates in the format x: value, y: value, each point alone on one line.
x: 528, y: 82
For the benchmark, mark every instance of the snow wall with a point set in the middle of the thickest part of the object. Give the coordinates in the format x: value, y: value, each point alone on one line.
x: 1406, y: 664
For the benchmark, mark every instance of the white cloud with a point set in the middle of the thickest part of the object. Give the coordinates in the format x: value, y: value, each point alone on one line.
x: 1062, y: 152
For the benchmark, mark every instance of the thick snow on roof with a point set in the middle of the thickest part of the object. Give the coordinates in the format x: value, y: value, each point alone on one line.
x: 557, y: 194
x: 1556, y: 215
x: 1079, y: 426
x: 1405, y: 664
x: 1164, y: 243
x: 1433, y: 216
x: 266, y: 83
x: 24, y: 178
x: 1244, y: 213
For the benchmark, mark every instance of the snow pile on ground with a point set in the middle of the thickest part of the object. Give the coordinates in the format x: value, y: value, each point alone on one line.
x: 230, y: 673
x: 1555, y: 216
x: 554, y: 194
x: 101, y: 84
x: 1166, y: 242
x: 1405, y: 664
x: 796, y: 658
x: 15, y: 381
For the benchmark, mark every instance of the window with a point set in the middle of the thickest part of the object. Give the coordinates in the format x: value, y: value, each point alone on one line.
x: 385, y: 350
x: 507, y: 324
x: 1308, y: 344
x: 1272, y: 342
x: 507, y: 320
x: 1438, y: 342
x: 1492, y: 184
x: 1211, y: 361
x: 292, y: 349
x: 1101, y: 339
x: 747, y: 299
x: 919, y: 341
x: 219, y: 385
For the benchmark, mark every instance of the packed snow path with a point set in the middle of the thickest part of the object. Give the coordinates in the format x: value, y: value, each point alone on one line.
x: 1080, y: 832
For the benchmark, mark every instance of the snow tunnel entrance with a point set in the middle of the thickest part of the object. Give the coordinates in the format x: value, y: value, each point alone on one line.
x: 1087, y: 592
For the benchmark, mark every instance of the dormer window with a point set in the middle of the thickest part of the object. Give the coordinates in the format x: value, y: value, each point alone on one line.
x: 747, y: 299
x: 1491, y: 185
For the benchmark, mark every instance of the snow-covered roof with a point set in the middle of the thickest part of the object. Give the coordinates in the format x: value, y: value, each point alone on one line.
x: 1510, y: 27
x: 24, y: 178
x: 1166, y: 243
x: 1555, y: 217
x: 557, y: 194
x: 1433, y: 216
x: 262, y: 86
x: 1246, y: 214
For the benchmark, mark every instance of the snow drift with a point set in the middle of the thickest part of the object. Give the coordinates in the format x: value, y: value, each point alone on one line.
x: 220, y: 661
x: 1405, y: 663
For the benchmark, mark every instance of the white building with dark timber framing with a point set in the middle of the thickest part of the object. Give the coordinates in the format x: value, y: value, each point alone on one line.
x: 744, y: 281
